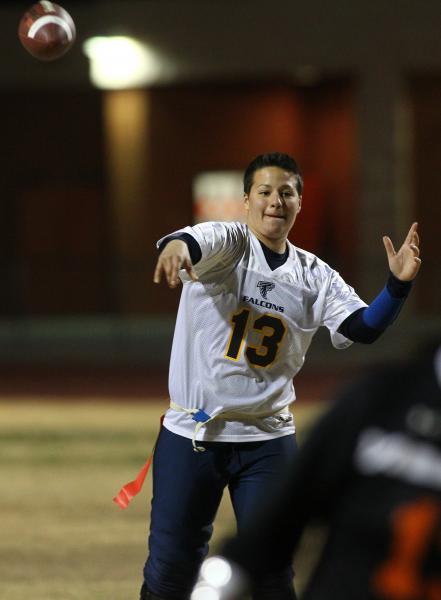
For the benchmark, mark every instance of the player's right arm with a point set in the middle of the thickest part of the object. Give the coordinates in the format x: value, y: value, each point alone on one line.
x: 204, y: 248
x: 174, y: 257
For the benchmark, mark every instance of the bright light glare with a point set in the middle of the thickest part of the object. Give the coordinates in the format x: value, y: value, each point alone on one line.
x: 216, y: 571
x: 120, y: 62
x: 205, y: 593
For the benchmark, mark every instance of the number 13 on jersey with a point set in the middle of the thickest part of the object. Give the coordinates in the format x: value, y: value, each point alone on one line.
x: 272, y: 330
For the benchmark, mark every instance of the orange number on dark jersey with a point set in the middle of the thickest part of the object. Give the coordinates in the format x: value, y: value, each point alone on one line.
x: 416, y: 530
x: 272, y: 329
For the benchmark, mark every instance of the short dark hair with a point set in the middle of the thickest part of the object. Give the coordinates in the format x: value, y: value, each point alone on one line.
x: 272, y: 159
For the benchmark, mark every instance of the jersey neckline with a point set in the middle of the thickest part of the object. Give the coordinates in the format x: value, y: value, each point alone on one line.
x: 257, y: 244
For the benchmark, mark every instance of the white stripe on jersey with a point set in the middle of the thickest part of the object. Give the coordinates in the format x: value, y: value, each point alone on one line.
x: 242, y: 332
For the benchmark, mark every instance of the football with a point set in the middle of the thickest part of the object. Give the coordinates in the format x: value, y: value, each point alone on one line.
x: 47, y: 31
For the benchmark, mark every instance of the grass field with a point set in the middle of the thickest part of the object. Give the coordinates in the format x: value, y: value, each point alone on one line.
x: 62, y: 537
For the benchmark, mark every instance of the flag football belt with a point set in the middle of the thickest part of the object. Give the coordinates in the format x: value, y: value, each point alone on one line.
x: 202, y: 418
x: 131, y: 489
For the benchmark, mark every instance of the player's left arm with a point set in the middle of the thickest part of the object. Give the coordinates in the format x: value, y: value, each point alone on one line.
x: 367, y: 324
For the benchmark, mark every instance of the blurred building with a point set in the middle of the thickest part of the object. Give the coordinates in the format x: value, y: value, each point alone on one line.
x: 91, y: 177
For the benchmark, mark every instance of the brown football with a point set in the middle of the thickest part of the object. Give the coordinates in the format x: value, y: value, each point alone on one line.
x: 46, y: 30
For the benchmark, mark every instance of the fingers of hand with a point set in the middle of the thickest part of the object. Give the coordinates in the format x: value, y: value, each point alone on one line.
x: 169, y: 265
x: 389, y: 246
x: 410, y: 238
x: 158, y: 272
x: 189, y: 268
x: 410, y: 261
x: 173, y: 266
x: 192, y: 274
x: 416, y: 266
x: 413, y: 243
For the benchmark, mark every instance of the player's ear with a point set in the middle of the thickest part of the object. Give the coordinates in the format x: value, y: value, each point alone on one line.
x: 300, y: 205
x: 246, y: 201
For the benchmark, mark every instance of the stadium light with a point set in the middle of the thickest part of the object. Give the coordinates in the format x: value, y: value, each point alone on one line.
x: 120, y: 62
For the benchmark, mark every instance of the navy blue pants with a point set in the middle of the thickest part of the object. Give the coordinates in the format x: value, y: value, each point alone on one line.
x: 187, y: 490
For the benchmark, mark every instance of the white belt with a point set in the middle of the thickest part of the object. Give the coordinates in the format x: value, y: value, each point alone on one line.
x: 202, y: 418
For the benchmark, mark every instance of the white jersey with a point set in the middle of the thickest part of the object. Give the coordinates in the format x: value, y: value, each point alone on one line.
x: 242, y: 332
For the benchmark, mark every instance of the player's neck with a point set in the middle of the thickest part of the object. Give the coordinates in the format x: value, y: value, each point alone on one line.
x: 278, y: 245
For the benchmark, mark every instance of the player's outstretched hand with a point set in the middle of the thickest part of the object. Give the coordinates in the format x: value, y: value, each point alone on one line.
x: 172, y: 259
x: 405, y: 263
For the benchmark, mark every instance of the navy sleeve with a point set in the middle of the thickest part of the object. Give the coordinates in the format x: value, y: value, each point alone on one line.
x: 365, y: 325
x: 193, y: 246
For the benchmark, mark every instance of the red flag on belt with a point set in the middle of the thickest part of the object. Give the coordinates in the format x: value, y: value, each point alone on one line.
x: 131, y: 489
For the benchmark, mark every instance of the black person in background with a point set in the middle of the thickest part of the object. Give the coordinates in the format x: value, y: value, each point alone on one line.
x: 370, y: 470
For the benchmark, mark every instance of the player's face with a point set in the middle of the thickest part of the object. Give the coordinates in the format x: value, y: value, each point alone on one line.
x: 272, y: 206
